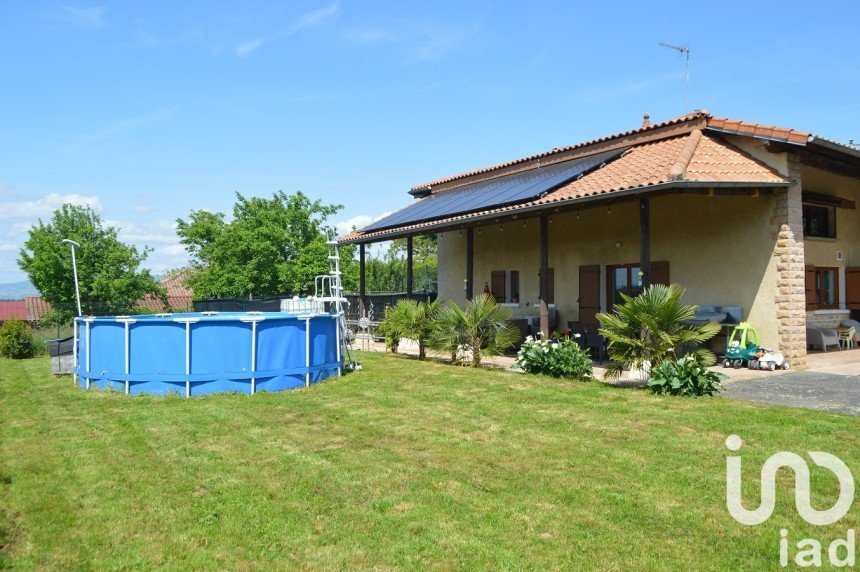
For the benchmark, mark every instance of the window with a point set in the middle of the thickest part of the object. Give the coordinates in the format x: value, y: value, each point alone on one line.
x: 819, y: 221
x: 505, y: 285
x: 822, y: 288
x: 623, y: 279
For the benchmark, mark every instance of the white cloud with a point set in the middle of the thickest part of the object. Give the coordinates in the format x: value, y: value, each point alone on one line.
x: 359, y: 221
x: 82, y: 17
x: 142, y: 209
x: 149, y: 233
x: 18, y: 228
x: 421, y: 39
x: 46, y: 205
x: 9, y: 247
x: 306, y: 20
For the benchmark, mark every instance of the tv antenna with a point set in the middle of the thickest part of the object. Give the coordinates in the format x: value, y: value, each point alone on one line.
x: 684, y: 51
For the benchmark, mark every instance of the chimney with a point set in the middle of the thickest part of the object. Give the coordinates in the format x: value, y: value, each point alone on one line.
x: 646, y: 121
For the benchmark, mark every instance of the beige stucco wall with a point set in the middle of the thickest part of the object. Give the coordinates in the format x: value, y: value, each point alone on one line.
x: 822, y: 251
x: 719, y: 248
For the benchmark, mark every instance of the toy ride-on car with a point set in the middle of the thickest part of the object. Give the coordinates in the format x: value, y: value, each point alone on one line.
x: 743, y: 345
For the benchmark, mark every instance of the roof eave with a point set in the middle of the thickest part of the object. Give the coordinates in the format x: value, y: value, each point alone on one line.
x: 834, y: 146
x: 531, y: 209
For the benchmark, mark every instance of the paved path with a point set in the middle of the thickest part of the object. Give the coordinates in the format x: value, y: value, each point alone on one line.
x: 832, y: 392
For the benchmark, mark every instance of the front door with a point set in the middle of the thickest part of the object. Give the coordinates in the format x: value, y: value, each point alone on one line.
x: 589, y: 293
x: 852, y: 287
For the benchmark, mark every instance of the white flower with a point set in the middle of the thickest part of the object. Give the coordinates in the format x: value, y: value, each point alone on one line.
x: 577, y: 335
x: 546, y: 350
x: 528, y: 339
x: 555, y: 346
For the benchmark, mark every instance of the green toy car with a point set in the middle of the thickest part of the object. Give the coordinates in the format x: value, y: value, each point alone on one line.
x: 743, y: 344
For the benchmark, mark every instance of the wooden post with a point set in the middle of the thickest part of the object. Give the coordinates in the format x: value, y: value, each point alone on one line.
x: 409, y: 267
x: 645, y: 241
x: 544, y: 275
x: 470, y: 261
x: 362, y: 280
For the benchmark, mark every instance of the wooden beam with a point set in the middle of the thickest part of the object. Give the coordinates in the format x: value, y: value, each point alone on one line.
x: 409, y: 267
x: 544, y: 275
x: 362, y: 279
x: 470, y: 261
x: 827, y: 200
x: 645, y: 241
x: 827, y: 163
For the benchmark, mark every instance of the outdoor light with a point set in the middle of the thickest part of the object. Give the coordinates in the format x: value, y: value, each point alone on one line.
x: 609, y: 210
x: 74, y: 244
x: 577, y: 215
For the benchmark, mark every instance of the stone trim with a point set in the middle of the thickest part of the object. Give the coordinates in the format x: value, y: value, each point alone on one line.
x: 790, y: 298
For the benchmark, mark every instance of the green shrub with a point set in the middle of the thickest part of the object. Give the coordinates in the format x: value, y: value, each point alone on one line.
x: 688, y: 376
x: 17, y: 341
x: 558, y: 358
x: 411, y: 319
x: 481, y: 328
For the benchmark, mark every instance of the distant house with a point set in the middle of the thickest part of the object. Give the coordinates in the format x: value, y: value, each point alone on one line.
x: 37, y: 308
x: 179, y: 296
x: 13, y: 310
x: 743, y: 215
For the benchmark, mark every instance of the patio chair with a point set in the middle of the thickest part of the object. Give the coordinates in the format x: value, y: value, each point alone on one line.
x: 578, y: 328
x: 846, y: 338
x: 821, y: 337
x: 847, y: 323
x: 596, y: 345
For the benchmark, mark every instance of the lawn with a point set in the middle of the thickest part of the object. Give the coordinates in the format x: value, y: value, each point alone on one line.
x: 403, y: 464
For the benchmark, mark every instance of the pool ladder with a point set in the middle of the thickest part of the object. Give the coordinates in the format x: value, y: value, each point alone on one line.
x: 328, y: 288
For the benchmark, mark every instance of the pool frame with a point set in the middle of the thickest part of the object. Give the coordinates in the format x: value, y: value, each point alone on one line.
x: 298, y: 350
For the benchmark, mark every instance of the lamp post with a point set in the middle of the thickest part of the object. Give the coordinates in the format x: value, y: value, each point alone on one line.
x: 73, y: 244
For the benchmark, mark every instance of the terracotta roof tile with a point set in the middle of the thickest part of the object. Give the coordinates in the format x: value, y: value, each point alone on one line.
x: 758, y: 130
x: 37, y: 307
x: 13, y: 310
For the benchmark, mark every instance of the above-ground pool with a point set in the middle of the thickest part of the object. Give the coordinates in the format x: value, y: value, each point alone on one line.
x: 210, y: 352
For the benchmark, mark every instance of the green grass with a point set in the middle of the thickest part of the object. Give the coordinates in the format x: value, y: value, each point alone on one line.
x: 404, y: 464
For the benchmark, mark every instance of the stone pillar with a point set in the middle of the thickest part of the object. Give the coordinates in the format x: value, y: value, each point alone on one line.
x: 787, y: 221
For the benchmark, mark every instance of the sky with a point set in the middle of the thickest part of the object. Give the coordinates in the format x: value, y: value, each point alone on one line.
x: 149, y: 110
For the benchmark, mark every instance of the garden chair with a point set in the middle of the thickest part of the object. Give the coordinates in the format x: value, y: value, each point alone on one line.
x: 821, y: 337
x: 596, y: 345
x: 846, y: 338
x: 848, y: 323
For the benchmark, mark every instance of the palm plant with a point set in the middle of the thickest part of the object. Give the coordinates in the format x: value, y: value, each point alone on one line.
x: 644, y: 331
x: 412, y: 319
x: 482, y: 328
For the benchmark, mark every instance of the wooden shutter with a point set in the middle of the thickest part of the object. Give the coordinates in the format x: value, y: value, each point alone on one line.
x: 497, y: 285
x: 852, y: 287
x: 589, y: 293
x: 810, y: 287
x: 660, y: 272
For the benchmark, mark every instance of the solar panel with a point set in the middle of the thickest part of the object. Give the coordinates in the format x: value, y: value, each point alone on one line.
x: 500, y: 191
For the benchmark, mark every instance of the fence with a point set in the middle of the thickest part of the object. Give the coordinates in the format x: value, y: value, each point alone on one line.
x: 375, y: 301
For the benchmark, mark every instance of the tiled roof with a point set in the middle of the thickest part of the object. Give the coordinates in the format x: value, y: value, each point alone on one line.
x: 179, y: 296
x: 13, y: 310
x: 758, y: 130
x: 692, y: 158
x: 37, y: 307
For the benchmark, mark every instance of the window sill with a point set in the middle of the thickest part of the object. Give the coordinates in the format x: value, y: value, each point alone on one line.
x: 821, y: 239
x: 510, y: 304
x: 825, y: 311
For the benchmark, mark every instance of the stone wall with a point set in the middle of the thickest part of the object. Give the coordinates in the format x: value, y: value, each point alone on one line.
x: 828, y: 319
x: 787, y: 221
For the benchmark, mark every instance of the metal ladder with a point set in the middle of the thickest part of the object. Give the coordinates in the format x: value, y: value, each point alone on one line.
x: 328, y: 289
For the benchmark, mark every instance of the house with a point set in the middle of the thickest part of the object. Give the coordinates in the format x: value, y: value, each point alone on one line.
x: 179, y: 296
x: 12, y: 310
x: 745, y: 216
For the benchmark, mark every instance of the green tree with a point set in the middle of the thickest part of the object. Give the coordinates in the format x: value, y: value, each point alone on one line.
x: 482, y: 328
x: 111, y: 280
x: 271, y: 246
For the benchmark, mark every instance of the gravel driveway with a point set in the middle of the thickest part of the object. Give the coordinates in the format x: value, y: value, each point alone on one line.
x: 813, y: 390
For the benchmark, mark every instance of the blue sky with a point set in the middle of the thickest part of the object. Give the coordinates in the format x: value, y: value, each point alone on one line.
x: 149, y: 110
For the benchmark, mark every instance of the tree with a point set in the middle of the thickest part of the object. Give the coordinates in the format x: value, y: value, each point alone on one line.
x: 482, y: 328
x: 386, y: 272
x: 645, y: 331
x: 271, y: 246
x: 110, y: 277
